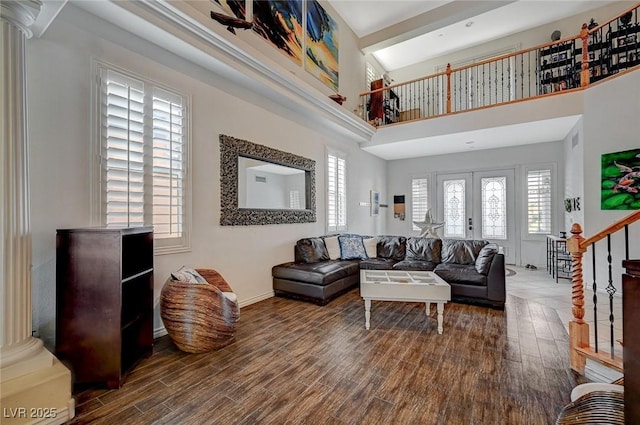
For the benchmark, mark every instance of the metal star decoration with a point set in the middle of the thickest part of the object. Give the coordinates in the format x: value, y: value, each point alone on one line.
x: 428, y: 227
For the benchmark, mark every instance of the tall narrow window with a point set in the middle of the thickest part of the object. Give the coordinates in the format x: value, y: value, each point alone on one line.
x: 143, y: 157
x: 419, y: 200
x: 539, y: 202
x: 494, y: 207
x: 336, y: 192
x: 372, y: 75
x: 168, y: 164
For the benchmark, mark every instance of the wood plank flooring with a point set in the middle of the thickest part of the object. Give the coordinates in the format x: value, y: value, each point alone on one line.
x: 298, y: 363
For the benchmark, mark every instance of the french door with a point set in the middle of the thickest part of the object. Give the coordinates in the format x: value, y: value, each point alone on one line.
x: 479, y: 205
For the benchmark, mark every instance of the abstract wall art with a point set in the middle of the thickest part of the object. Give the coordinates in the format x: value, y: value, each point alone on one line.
x: 280, y: 22
x: 235, y: 8
x: 621, y: 180
x: 321, y: 45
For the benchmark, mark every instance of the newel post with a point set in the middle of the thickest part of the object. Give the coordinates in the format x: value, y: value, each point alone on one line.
x: 578, y: 328
x: 584, y: 73
x: 448, y: 88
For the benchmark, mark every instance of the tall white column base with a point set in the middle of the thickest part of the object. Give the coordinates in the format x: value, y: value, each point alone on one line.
x: 40, y: 397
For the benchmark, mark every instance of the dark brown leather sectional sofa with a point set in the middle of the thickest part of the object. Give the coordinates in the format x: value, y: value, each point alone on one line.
x: 474, y: 268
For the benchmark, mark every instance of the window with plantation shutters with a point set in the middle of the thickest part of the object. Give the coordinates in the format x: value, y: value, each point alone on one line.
x: 143, y: 157
x: 372, y: 75
x: 123, y: 150
x: 168, y: 160
x: 336, y: 192
x: 419, y: 200
x: 539, y: 201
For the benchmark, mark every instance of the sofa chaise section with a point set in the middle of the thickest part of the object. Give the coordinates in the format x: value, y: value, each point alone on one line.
x: 313, y: 276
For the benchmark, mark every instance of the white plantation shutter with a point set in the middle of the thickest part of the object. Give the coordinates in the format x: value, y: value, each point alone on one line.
x: 336, y: 192
x: 294, y: 199
x: 123, y: 150
x: 168, y: 160
x: 539, y: 201
x: 143, y: 156
x: 419, y: 200
x: 372, y: 75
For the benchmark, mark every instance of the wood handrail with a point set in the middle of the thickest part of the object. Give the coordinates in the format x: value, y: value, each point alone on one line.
x: 415, y: 80
x: 635, y: 216
x: 613, y: 19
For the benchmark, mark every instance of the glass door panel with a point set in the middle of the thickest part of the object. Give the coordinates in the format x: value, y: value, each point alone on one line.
x: 454, y: 204
x: 494, y: 207
x: 479, y: 205
x: 454, y: 208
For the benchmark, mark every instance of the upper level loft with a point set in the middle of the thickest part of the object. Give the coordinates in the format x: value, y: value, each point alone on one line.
x: 541, y: 88
x: 573, y: 63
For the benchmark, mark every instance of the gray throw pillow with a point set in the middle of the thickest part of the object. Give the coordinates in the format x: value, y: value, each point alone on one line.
x: 485, y: 257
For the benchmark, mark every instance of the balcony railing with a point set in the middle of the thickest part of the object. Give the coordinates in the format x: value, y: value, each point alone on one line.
x: 598, y: 52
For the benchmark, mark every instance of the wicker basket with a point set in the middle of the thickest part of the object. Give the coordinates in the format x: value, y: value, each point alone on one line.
x: 198, y: 317
x: 597, y: 407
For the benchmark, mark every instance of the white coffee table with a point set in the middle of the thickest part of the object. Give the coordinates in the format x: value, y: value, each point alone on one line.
x: 405, y: 286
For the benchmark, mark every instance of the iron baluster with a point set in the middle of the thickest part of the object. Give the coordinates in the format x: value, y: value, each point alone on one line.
x: 611, y: 290
x: 483, y: 84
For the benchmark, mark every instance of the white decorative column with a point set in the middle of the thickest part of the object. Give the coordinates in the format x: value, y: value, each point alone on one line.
x: 34, y: 386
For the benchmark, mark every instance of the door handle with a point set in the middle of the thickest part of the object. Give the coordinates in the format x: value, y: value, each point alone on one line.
x: 470, y: 223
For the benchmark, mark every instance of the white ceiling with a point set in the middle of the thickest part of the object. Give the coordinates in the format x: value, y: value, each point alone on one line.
x: 550, y: 130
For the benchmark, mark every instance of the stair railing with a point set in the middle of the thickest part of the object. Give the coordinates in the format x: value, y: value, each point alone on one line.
x: 579, y: 339
x: 566, y: 65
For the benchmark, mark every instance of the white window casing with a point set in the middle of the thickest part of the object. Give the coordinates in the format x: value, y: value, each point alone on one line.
x: 539, y: 201
x: 419, y: 200
x: 336, y: 191
x: 143, y: 146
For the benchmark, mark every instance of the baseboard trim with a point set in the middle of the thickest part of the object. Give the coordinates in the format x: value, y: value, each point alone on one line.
x: 256, y: 299
x: 159, y: 332
x: 596, y: 372
x: 162, y: 331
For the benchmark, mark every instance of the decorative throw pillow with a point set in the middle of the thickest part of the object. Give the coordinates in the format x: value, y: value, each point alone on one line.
x: 333, y: 247
x: 371, y: 247
x: 231, y: 296
x: 485, y: 257
x: 351, y: 248
x: 187, y: 275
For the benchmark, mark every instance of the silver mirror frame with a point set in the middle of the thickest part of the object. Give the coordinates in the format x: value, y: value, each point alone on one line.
x: 230, y: 215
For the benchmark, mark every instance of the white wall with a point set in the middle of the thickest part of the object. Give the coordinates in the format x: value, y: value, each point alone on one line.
x: 573, y: 174
x: 611, y: 124
x: 531, y: 249
x: 60, y: 132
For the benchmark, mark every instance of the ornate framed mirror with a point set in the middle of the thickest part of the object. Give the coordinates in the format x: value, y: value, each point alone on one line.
x: 262, y: 185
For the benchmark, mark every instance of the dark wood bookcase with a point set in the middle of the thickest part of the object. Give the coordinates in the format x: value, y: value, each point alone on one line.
x: 104, y: 301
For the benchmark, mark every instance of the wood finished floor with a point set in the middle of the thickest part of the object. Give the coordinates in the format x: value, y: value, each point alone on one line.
x: 298, y: 363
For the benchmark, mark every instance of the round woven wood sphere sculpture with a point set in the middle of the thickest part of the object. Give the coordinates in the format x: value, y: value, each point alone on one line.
x: 198, y: 316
